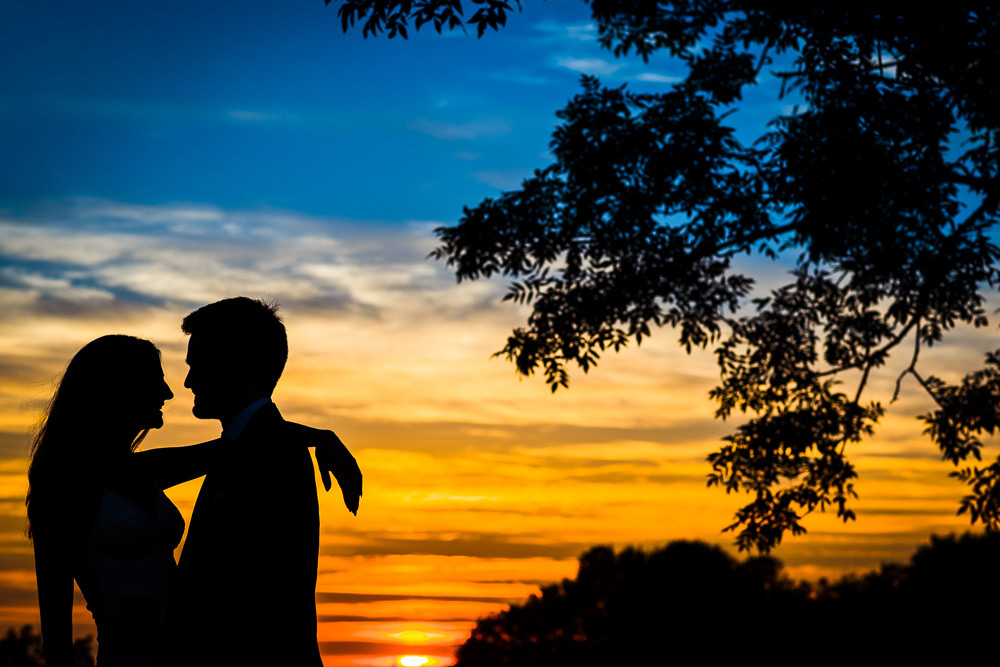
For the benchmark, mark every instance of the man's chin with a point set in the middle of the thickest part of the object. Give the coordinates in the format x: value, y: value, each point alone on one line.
x: 200, y: 412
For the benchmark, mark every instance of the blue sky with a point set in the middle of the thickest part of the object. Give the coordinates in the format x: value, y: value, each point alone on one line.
x: 269, y: 104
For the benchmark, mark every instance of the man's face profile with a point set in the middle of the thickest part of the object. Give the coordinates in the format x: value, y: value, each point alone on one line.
x: 210, y: 377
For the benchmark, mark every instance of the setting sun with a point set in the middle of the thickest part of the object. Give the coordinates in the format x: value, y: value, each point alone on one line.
x: 413, y: 661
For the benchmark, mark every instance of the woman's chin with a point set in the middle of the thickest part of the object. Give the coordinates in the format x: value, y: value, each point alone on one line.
x: 155, y: 421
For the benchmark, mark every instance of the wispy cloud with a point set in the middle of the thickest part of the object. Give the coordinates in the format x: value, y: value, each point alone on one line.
x: 261, y: 116
x: 654, y: 77
x: 490, y: 127
x: 502, y: 179
x: 595, y: 66
x: 576, y: 32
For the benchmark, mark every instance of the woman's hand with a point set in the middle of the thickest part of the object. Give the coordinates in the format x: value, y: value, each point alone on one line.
x: 55, y: 597
x: 332, y: 456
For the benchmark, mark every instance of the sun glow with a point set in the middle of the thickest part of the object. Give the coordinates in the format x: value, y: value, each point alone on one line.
x: 413, y: 661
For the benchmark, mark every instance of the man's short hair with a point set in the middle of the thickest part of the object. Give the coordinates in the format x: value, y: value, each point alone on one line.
x: 250, y: 326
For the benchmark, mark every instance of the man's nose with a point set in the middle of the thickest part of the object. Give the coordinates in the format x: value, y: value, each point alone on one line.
x: 187, y: 380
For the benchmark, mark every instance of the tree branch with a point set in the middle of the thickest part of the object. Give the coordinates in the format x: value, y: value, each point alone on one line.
x: 911, y: 369
x: 927, y: 388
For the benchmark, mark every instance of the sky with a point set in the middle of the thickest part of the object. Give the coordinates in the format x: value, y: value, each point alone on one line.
x: 154, y: 158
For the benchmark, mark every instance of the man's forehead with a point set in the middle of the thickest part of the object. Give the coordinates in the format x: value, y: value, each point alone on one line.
x: 202, y: 348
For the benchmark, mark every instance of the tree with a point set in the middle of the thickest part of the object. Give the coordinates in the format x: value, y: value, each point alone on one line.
x: 690, y: 598
x: 880, y: 188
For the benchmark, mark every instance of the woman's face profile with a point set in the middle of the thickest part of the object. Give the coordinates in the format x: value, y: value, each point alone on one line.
x: 145, y: 392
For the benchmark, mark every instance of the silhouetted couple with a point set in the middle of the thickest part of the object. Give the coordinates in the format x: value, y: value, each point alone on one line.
x: 243, y: 592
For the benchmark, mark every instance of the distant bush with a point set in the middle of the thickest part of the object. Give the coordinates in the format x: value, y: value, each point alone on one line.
x: 692, y: 602
x: 23, y: 648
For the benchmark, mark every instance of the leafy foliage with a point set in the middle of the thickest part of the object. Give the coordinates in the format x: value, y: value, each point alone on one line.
x: 965, y: 412
x: 393, y: 16
x: 692, y: 599
x: 879, y: 186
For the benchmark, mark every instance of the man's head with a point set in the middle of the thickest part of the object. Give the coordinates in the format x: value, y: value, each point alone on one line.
x: 236, y: 353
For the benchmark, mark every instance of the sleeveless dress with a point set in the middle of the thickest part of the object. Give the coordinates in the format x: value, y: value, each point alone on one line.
x: 125, y: 569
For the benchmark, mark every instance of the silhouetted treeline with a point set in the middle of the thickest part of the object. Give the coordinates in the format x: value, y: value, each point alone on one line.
x: 23, y: 648
x: 692, y: 602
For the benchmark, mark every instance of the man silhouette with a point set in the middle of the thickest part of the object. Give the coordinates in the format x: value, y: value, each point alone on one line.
x: 247, y: 574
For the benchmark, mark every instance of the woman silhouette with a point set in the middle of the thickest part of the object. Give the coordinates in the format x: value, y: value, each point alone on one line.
x: 97, y: 512
x: 96, y: 516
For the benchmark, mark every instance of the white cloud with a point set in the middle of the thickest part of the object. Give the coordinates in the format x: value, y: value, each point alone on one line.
x: 491, y: 127
x: 653, y: 77
x: 191, y: 254
x: 597, y: 66
x: 582, y: 33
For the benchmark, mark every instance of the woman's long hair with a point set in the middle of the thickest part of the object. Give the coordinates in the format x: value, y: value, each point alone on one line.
x: 81, y: 434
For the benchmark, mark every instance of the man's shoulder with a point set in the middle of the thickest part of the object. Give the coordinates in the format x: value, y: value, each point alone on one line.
x: 275, y: 461
x: 266, y: 418
x: 266, y: 431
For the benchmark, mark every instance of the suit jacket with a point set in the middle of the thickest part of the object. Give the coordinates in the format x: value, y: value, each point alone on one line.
x: 246, y: 589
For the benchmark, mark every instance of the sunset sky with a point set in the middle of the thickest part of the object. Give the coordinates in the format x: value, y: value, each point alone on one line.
x: 157, y: 157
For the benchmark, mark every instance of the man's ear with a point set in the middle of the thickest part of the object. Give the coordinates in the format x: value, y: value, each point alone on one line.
x: 244, y: 367
x: 236, y: 364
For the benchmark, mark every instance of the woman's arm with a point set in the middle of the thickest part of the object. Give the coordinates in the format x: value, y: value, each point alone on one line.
x: 169, y: 466
x: 332, y: 456
x: 54, y: 578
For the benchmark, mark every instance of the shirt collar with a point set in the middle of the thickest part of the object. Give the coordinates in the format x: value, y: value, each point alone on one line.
x: 232, y: 429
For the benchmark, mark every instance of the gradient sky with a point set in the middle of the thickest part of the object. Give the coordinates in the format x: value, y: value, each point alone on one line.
x: 159, y: 157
